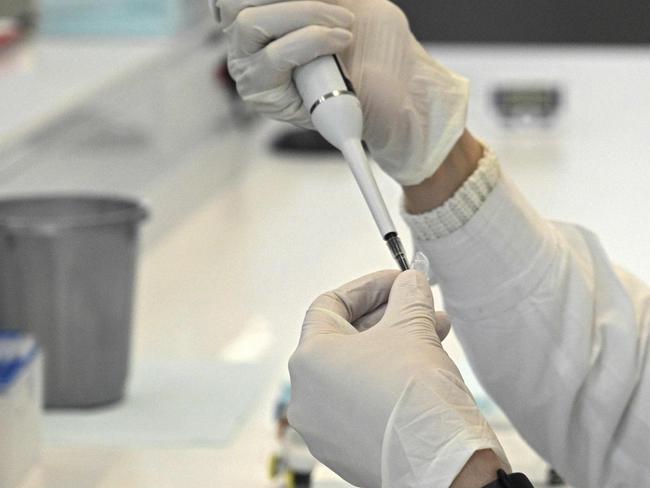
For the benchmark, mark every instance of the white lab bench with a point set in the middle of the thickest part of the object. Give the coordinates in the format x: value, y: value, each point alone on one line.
x: 226, y: 279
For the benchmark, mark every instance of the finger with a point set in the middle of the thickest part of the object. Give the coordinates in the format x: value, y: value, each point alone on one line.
x: 356, y: 298
x: 334, y: 312
x: 370, y: 319
x: 229, y: 9
x: 443, y: 325
x: 323, y: 321
x: 280, y: 103
x: 304, y: 45
x: 410, y: 300
x: 264, y: 79
x: 256, y: 27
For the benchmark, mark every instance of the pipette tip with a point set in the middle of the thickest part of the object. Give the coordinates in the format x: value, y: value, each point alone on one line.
x: 397, y: 250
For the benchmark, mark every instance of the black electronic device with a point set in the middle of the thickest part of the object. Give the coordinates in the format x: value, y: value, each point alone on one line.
x: 532, y: 21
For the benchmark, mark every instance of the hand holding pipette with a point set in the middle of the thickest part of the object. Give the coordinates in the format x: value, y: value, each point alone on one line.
x: 414, y: 108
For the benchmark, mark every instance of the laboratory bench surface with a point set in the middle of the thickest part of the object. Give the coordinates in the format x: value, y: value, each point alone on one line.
x: 225, y: 283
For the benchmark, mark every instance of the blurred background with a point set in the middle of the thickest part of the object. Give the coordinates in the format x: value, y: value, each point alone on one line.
x: 249, y: 219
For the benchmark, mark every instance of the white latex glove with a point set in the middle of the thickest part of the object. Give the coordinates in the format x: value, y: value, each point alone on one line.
x: 414, y: 108
x: 386, y: 407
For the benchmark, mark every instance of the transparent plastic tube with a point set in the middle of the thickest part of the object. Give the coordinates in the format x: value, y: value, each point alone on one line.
x: 421, y: 263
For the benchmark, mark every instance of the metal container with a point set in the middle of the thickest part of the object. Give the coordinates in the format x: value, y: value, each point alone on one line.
x: 67, y: 269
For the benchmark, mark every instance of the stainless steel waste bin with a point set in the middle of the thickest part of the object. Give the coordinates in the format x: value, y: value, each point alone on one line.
x: 67, y: 269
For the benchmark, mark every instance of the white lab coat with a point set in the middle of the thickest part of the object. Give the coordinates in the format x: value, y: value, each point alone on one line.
x: 556, y: 334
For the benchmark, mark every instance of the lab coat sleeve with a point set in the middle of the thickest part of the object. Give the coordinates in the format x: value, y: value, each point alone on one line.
x: 555, y: 333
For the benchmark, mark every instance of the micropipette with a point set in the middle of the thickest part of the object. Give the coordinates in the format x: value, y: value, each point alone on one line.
x: 336, y: 113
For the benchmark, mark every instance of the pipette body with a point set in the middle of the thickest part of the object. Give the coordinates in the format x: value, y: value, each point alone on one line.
x: 336, y: 114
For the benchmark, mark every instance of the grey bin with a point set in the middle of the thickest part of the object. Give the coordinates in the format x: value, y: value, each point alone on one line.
x: 67, y: 272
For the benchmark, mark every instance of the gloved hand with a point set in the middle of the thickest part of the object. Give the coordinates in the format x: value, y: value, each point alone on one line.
x: 386, y: 407
x: 414, y: 108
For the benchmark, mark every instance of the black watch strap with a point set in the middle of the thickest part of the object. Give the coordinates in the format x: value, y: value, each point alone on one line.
x: 514, y: 480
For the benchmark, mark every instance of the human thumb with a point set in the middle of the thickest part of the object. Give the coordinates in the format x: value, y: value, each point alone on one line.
x: 322, y: 318
x: 334, y: 312
x: 410, y: 302
x: 443, y: 324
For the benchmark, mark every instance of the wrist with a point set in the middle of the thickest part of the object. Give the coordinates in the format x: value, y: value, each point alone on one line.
x: 479, y: 471
x: 457, y: 167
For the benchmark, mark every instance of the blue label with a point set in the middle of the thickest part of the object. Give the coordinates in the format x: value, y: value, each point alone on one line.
x: 11, y: 367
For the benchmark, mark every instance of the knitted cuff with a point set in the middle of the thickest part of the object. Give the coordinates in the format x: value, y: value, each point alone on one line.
x: 461, y: 207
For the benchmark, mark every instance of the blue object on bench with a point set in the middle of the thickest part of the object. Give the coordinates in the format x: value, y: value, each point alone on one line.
x: 17, y: 350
